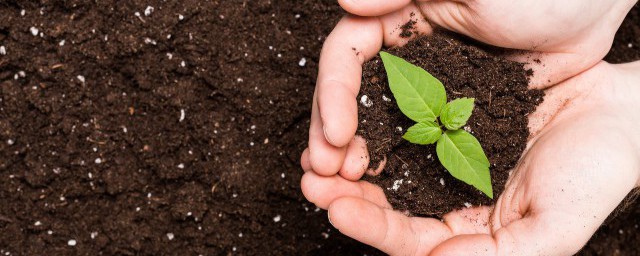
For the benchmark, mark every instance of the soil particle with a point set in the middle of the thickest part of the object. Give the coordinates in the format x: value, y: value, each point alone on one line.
x: 408, y: 29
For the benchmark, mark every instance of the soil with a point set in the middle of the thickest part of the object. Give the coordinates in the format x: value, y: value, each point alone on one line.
x: 626, y: 46
x: 95, y: 147
x: 413, y: 178
x: 101, y: 82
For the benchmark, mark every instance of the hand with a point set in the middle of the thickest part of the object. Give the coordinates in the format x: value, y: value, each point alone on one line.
x: 582, y: 159
x: 567, y: 38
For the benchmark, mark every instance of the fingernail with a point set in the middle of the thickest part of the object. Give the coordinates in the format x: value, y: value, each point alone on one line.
x: 329, y: 217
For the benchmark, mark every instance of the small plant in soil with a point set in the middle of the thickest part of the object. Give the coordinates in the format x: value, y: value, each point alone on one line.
x: 423, y: 99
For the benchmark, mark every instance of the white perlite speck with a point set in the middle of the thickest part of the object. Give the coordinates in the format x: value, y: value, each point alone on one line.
x: 365, y: 101
x: 98, y: 160
x: 81, y: 79
x: 72, y: 242
x: 384, y: 97
x: 3, y: 50
x: 302, y: 62
x: 182, y: 115
x: 38, y: 223
x: 94, y: 234
x: 10, y: 142
x: 180, y: 17
x: 150, y: 41
x: 442, y: 181
x: 181, y: 166
x: 630, y: 45
x: 34, y: 31
x: 148, y: 10
x: 468, y: 205
x: 396, y: 184
x: 170, y: 236
x: 277, y: 218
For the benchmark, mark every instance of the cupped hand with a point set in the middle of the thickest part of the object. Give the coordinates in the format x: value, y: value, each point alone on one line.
x: 562, y: 39
x: 582, y: 159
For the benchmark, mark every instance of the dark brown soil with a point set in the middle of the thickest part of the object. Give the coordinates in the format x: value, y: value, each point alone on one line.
x: 626, y: 46
x: 233, y: 78
x: 413, y: 179
x: 224, y: 180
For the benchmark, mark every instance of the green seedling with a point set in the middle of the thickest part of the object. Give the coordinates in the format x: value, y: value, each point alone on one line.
x: 422, y: 98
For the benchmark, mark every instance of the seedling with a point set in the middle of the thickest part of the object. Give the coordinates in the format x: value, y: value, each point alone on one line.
x: 422, y: 98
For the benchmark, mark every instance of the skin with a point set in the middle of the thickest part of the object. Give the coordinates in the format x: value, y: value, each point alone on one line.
x: 581, y: 159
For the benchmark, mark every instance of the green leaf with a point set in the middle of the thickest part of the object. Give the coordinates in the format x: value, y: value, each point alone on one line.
x: 463, y: 157
x: 420, y: 96
x: 456, y: 113
x: 424, y: 133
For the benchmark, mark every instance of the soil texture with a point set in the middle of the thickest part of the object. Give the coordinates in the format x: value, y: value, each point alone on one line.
x: 159, y: 127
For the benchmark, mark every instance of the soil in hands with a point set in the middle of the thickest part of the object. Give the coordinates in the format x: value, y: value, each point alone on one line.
x: 413, y: 179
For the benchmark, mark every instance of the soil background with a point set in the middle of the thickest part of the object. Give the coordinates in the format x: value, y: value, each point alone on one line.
x: 95, y: 148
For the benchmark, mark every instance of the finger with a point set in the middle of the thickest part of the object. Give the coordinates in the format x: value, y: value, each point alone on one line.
x: 379, y: 169
x: 324, y: 158
x: 323, y: 190
x: 450, y: 15
x: 393, y: 23
x: 305, y: 163
x: 353, y: 41
x: 356, y: 161
x: 372, y: 7
x: 390, y: 231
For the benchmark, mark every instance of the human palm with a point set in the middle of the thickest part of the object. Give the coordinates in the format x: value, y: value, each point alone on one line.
x: 582, y: 159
